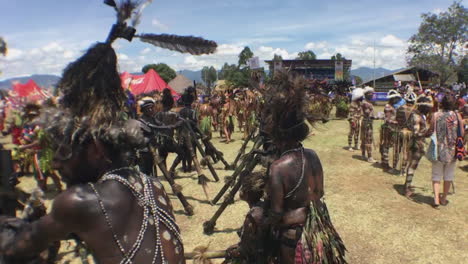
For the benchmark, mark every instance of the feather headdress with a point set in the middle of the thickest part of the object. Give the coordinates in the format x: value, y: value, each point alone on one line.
x: 3, y: 47
x: 283, y: 113
x: 129, y: 11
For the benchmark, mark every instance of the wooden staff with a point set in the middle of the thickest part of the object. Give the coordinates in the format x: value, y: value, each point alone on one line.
x: 202, y: 152
x: 238, y: 170
x: 175, y: 189
x: 242, y: 149
x: 230, y: 182
x: 208, y: 226
x: 218, y: 154
x: 202, y: 180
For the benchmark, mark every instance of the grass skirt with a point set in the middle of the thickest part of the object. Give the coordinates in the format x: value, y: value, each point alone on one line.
x: 320, y: 242
x: 205, y: 125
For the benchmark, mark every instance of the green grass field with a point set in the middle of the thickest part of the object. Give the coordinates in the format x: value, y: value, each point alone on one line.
x: 377, y: 223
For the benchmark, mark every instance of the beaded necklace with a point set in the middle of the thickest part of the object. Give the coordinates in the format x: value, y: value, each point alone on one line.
x: 150, y: 210
x: 289, y: 194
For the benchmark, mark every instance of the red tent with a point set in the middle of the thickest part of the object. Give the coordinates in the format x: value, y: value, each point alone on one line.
x: 149, y: 82
x: 126, y: 78
x: 30, y: 90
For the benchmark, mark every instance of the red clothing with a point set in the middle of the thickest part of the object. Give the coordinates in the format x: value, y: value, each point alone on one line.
x: 16, y: 134
x: 461, y: 104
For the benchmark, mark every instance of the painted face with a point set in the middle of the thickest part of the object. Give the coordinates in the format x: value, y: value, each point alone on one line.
x: 394, y: 100
x: 76, y: 166
x: 369, y: 95
x: 424, y: 109
x: 149, y: 110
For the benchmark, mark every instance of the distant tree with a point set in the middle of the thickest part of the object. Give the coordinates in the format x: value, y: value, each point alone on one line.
x: 439, y: 38
x: 306, y: 55
x: 358, y: 79
x: 3, y: 47
x: 239, y: 78
x: 338, y: 56
x: 226, y: 71
x: 244, y: 56
x: 277, y: 57
x: 209, y: 76
x: 166, y: 72
x: 463, y: 70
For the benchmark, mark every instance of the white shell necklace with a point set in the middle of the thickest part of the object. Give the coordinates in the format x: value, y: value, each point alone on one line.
x: 150, y: 210
x: 289, y: 194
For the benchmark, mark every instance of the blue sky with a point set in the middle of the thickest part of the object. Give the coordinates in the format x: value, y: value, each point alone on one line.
x: 43, y: 36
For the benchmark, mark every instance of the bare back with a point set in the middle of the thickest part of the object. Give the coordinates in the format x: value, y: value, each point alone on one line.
x: 286, y: 189
x: 78, y: 210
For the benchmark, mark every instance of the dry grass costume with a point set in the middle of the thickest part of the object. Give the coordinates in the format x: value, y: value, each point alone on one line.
x: 206, y: 119
x: 389, y: 128
x: 367, y: 127
x: 402, y: 142
x: 355, y: 117
x: 419, y: 128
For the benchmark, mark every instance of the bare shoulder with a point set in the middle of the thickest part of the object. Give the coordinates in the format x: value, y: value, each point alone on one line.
x: 77, y: 202
x: 311, y: 154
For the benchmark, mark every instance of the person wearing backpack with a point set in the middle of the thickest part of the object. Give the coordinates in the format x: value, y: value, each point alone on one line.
x: 446, y: 125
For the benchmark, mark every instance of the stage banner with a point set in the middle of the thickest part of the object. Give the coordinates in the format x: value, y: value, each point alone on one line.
x: 254, y: 63
x: 339, y: 75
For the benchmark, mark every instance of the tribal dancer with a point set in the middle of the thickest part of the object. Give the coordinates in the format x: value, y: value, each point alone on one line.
x: 367, y: 136
x: 227, y: 114
x: 419, y: 128
x: 121, y: 214
x: 404, y: 133
x: 148, y: 125
x: 206, y: 117
x: 296, y: 219
x: 389, y: 127
x: 185, y: 139
x: 355, y: 117
x: 166, y: 142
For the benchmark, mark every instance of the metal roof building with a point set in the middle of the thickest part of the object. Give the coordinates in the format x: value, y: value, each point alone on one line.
x: 407, y: 75
x: 313, y: 69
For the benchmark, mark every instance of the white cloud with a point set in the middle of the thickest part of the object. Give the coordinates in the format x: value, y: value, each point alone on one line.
x: 68, y: 54
x: 269, y: 52
x: 52, y: 46
x: 122, y: 56
x: 262, y: 40
x: 229, y: 49
x: 14, y: 54
x: 390, y: 51
x: 391, y: 40
x: 145, y: 51
x: 437, y: 11
x: 159, y: 25
x: 48, y: 59
x: 316, y: 45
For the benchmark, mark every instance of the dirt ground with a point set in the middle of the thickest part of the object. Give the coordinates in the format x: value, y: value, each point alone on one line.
x: 377, y: 223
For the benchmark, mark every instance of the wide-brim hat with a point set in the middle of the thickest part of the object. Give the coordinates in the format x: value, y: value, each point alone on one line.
x: 393, y: 94
x: 357, y: 94
x: 146, y: 102
x: 368, y: 89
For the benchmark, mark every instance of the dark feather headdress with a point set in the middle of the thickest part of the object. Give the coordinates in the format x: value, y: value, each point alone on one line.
x: 3, y: 47
x: 92, y: 99
x: 284, y: 113
x: 167, y: 99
